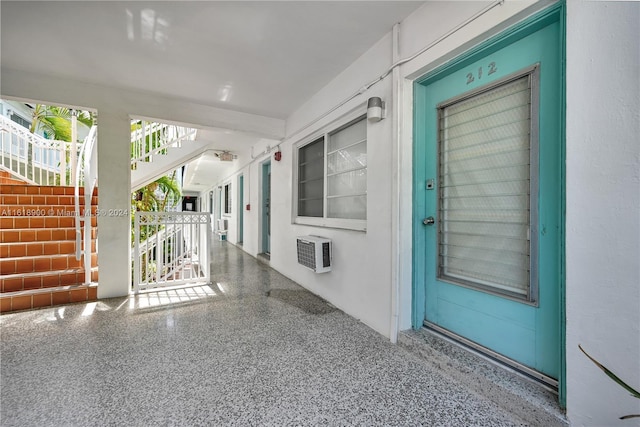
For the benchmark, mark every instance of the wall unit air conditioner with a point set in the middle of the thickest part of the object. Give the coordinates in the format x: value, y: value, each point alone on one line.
x: 315, y: 253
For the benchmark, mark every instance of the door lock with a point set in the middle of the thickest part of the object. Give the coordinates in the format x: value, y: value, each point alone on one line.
x: 429, y: 220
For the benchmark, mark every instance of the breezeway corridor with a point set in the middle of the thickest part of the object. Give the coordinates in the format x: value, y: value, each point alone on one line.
x: 253, y: 348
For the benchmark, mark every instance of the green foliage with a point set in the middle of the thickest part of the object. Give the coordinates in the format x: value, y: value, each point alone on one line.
x: 55, y: 122
x: 618, y: 381
x: 154, y: 197
x: 161, y: 194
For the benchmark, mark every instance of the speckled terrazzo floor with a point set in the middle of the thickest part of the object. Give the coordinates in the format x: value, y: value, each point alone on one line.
x: 251, y: 349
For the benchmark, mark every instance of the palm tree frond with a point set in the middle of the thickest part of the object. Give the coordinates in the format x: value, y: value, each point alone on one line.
x: 611, y: 375
x: 85, y: 118
x: 60, y: 127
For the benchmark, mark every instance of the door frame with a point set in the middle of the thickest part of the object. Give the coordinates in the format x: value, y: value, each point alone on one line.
x: 555, y: 13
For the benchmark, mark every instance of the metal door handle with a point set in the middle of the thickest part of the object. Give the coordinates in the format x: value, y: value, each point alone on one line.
x: 429, y: 220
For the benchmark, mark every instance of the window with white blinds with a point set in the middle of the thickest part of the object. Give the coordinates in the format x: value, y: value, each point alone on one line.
x: 488, y: 167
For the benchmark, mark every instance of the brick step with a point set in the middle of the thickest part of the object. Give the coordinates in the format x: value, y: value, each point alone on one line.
x: 66, y: 231
x: 27, y: 300
x: 42, y: 263
x: 48, y: 279
x: 42, y: 210
x: 21, y: 222
x: 42, y: 190
x: 10, y: 181
x: 22, y: 249
x: 41, y: 199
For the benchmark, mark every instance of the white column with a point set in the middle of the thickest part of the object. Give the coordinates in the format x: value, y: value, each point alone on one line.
x: 603, y: 201
x: 74, y: 145
x: 114, y: 204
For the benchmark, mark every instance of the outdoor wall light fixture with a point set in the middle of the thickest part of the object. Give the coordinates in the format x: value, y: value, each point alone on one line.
x: 375, y: 109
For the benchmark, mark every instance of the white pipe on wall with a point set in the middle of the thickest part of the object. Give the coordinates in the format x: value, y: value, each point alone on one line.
x: 396, y: 93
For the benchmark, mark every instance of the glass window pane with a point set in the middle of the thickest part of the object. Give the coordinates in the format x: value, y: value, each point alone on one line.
x: 311, y: 190
x: 353, y: 157
x: 347, y: 183
x: 347, y: 172
x: 311, y: 179
x: 352, y: 207
x: 484, y: 188
x: 348, y: 135
x: 310, y: 208
x: 345, y: 195
x: 227, y: 198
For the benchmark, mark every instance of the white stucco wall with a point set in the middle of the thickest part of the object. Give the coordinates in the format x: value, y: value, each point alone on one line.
x: 602, y: 188
x: 362, y: 280
x: 603, y: 303
x: 603, y: 209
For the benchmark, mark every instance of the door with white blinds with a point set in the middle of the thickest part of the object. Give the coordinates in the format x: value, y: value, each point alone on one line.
x: 488, y: 201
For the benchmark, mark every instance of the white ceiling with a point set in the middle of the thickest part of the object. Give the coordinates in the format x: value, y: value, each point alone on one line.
x: 265, y: 58
x: 208, y: 169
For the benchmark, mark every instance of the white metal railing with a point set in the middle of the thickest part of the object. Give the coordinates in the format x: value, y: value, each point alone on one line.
x: 30, y: 157
x: 152, y: 139
x: 86, y: 175
x: 170, y: 248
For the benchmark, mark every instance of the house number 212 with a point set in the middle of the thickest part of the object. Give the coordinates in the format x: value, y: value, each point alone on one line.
x: 491, y: 68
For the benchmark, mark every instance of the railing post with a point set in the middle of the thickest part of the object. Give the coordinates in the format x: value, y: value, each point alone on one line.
x: 63, y: 164
x: 137, y: 267
x: 88, y: 253
x: 74, y: 137
x: 22, y: 149
x: 159, y: 248
x: 207, y: 261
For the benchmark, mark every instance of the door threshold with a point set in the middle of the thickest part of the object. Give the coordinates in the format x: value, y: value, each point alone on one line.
x: 482, y: 351
x: 529, y: 400
x: 264, y: 257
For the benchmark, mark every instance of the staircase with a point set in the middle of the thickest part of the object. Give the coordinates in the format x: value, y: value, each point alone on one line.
x: 157, y: 148
x: 38, y: 267
x: 8, y: 179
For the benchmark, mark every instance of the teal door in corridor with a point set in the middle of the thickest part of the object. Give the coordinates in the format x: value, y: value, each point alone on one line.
x: 240, y: 209
x: 266, y: 207
x: 488, y: 197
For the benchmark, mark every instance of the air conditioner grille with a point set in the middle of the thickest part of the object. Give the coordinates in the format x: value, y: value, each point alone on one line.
x: 326, y: 254
x: 307, y: 254
x: 314, y: 252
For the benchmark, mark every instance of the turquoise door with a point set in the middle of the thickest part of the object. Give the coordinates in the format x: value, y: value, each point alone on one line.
x: 488, y: 199
x: 266, y: 208
x: 241, y: 209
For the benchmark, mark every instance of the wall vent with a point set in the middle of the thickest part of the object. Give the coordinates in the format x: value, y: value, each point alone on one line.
x: 315, y: 253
